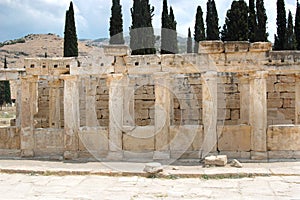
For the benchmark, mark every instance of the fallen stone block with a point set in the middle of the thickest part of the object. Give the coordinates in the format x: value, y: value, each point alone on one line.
x: 236, y: 163
x: 216, y: 160
x: 153, y: 168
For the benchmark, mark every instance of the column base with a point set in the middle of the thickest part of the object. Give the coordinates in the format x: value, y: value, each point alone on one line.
x: 70, y: 155
x: 27, y: 153
x: 255, y: 155
x: 161, y: 155
x: 115, y: 156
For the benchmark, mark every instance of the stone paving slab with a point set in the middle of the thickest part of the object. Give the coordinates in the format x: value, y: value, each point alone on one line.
x: 182, y: 170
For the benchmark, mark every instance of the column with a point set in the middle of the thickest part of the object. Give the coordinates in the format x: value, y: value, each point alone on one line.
x: 54, y: 104
x: 258, y: 114
x: 244, y: 89
x: 71, y: 116
x: 28, y: 107
x: 162, y: 116
x: 116, y: 97
x: 209, y: 111
x: 297, y: 100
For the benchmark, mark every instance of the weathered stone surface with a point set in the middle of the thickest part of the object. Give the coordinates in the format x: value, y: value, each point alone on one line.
x: 236, y: 46
x: 216, y: 160
x: 234, y: 138
x: 116, y: 50
x: 260, y: 47
x: 283, y: 138
x: 186, y: 138
x: 211, y: 47
x: 141, y: 139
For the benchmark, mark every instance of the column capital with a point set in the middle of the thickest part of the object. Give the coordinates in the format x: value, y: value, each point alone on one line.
x: 259, y: 75
x: 243, y: 78
x: 69, y: 77
x: 31, y: 79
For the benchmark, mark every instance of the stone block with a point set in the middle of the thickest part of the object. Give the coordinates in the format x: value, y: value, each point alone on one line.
x: 273, y: 95
x: 260, y: 47
x: 236, y: 46
x: 211, y: 47
x: 186, y: 138
x: 285, y: 87
x: 259, y: 155
x: 234, y: 138
x: 116, y: 50
x: 153, y: 168
x: 93, y: 139
x: 274, y: 103
x: 287, y: 95
x: 141, y: 139
x: 220, y: 160
x: 283, y: 138
x: 289, y: 103
x: 287, y: 79
x: 281, y: 154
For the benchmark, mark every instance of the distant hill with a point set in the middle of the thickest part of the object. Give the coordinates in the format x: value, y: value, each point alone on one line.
x: 37, y: 45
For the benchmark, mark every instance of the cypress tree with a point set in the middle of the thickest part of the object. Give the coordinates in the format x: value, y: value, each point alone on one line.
x: 290, y: 36
x: 236, y: 22
x: 252, y: 23
x: 199, y: 34
x: 142, y: 38
x: 173, y: 35
x: 189, y: 42
x: 5, y: 63
x: 297, y: 25
x: 5, y: 96
x: 212, y: 21
x: 70, y: 36
x: 280, y: 39
x: 116, y: 24
x: 165, y: 29
x: 261, y: 33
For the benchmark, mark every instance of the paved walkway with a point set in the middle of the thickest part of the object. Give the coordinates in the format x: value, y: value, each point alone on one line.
x: 30, y: 179
x: 193, y: 170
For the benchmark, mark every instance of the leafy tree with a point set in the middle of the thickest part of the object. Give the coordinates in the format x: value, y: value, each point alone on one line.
x: 297, y: 25
x: 116, y: 24
x: 290, y: 36
x: 189, y: 42
x: 70, y: 36
x: 280, y: 39
x: 212, y: 21
x: 252, y: 22
x: 173, y: 33
x: 236, y: 22
x: 142, y: 38
x: 261, y: 34
x: 199, y: 34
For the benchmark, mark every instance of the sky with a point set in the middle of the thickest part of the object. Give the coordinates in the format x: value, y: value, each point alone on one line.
x: 19, y: 18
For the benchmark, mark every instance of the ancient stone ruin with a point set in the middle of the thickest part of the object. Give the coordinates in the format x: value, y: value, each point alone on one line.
x: 234, y: 98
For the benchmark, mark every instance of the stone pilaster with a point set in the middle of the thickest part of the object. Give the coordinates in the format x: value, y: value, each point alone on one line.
x: 54, y: 104
x: 162, y: 115
x: 210, y: 111
x: 116, y: 99
x: 258, y: 114
x: 297, y: 100
x: 244, y: 88
x: 28, y: 108
x: 91, y: 115
x: 71, y: 116
x: 128, y: 105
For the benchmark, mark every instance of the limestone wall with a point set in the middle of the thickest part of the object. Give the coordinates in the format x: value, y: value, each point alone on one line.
x: 231, y: 98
